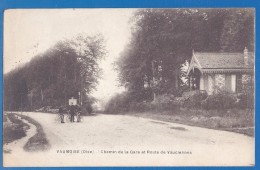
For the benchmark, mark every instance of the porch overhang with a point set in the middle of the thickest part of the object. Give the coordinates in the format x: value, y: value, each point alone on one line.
x: 194, y: 64
x: 227, y: 70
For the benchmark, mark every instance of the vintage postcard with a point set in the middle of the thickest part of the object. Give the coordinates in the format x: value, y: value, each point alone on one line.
x: 129, y: 87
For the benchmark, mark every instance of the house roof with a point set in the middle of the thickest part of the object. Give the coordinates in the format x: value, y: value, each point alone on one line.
x: 224, y: 60
x: 221, y: 62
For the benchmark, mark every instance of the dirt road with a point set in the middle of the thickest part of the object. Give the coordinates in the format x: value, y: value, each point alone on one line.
x: 113, y: 140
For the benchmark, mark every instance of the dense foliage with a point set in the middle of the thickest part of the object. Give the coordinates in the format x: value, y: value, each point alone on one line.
x: 246, y: 100
x: 194, y: 99
x: 51, y: 78
x: 163, y: 40
x: 118, y: 103
x: 221, y: 100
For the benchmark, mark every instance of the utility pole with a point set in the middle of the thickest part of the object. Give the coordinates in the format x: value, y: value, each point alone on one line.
x: 80, y: 90
x: 80, y: 80
x: 153, y: 71
x: 79, y: 97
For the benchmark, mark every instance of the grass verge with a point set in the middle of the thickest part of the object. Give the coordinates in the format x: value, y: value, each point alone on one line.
x: 235, y: 120
x: 14, y: 129
x: 39, y: 141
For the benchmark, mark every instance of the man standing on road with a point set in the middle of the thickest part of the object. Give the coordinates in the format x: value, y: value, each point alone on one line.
x: 72, y: 113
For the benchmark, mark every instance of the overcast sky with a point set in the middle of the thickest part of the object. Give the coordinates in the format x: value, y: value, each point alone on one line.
x: 30, y: 31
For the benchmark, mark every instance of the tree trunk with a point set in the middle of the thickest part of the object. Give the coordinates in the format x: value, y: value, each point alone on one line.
x: 176, y: 80
x: 75, y: 75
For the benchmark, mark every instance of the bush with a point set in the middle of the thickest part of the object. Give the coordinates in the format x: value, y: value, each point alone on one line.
x: 123, y: 103
x: 139, y: 106
x: 246, y: 101
x: 221, y: 100
x: 163, y: 102
x: 118, y: 103
x: 178, y: 102
x: 193, y: 99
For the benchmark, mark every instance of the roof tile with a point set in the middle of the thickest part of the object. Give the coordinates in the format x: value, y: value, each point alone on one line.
x: 224, y: 60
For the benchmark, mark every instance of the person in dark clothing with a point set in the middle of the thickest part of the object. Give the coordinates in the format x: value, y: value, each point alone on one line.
x: 61, y: 114
x: 78, y: 113
x: 72, y: 112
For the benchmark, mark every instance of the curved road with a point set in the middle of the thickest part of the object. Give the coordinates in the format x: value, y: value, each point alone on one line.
x: 119, y: 140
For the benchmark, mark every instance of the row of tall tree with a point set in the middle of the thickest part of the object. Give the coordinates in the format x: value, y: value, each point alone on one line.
x: 68, y: 69
x: 163, y: 40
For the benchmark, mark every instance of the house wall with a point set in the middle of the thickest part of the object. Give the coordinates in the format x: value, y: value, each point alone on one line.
x: 231, y: 82
x: 212, y: 82
x: 220, y: 80
x: 202, y: 87
x: 247, y: 82
x: 244, y: 82
x: 206, y: 84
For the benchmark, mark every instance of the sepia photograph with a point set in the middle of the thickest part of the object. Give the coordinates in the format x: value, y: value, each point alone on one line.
x: 87, y: 87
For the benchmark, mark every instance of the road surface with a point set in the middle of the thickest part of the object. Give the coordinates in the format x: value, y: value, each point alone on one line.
x: 120, y: 140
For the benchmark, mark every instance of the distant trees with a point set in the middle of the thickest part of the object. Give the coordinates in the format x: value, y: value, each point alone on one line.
x: 51, y: 78
x: 163, y: 40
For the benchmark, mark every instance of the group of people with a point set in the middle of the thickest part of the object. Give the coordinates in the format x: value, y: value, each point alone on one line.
x: 74, y: 110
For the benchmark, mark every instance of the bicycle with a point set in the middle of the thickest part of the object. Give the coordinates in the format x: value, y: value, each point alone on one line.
x: 64, y: 116
x: 79, y: 118
x: 58, y: 118
x: 67, y: 117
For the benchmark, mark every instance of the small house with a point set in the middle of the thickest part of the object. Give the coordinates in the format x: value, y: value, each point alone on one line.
x: 232, y: 72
